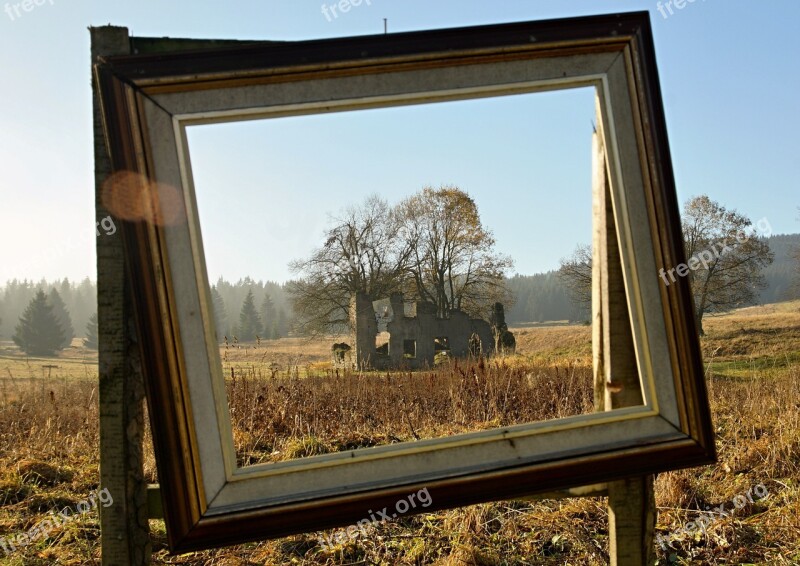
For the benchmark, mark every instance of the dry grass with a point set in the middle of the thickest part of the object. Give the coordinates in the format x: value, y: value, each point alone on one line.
x: 556, y: 344
x: 49, y: 455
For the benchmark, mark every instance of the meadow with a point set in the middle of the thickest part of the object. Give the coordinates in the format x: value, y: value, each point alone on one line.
x: 287, y: 402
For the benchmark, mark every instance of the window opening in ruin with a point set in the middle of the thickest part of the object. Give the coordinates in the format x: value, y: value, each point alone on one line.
x: 382, y: 343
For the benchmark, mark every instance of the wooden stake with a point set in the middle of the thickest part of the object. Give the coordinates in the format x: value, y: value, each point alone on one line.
x: 631, y: 503
x: 124, y: 525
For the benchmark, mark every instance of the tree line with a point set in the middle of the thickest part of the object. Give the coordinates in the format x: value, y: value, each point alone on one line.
x: 782, y: 276
x: 72, y: 304
x: 248, y: 309
x: 432, y: 246
x: 45, y: 326
x: 542, y: 298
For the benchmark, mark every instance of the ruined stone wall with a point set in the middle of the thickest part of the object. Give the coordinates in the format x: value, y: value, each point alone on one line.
x: 362, y: 316
x: 412, y: 341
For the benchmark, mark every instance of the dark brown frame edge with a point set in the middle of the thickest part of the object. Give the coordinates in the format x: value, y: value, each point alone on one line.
x: 665, y: 219
x: 123, y: 81
x: 207, y: 68
x: 167, y: 401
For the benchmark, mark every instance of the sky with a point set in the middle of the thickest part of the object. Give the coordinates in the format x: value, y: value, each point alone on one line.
x: 729, y: 73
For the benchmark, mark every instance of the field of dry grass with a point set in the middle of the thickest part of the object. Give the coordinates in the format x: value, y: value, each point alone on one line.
x: 49, y: 449
x: 287, y: 417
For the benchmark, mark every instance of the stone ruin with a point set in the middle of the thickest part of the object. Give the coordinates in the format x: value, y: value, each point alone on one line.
x: 416, y: 339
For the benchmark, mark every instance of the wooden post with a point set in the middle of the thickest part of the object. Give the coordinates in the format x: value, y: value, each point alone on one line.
x: 124, y: 525
x: 631, y: 503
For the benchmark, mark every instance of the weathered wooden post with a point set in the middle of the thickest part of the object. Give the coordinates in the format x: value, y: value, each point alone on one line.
x: 631, y: 502
x: 124, y: 525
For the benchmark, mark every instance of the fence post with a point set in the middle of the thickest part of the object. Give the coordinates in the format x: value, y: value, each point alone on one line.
x: 125, y: 537
x: 631, y: 502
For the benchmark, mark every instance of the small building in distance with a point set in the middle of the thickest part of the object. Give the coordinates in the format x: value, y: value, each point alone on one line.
x: 393, y: 338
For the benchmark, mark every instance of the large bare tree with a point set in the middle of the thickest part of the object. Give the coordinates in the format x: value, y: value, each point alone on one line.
x: 734, y: 257
x: 361, y: 253
x: 725, y: 254
x: 453, y: 261
x: 432, y: 247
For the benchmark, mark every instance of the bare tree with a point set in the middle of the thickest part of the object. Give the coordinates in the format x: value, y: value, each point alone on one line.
x: 361, y: 253
x: 432, y: 247
x: 453, y: 261
x: 732, y: 275
x: 576, y: 273
x: 726, y: 259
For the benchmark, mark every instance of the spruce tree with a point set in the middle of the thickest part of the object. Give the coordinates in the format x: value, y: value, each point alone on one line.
x: 62, y: 314
x: 249, y: 320
x: 91, y: 333
x: 38, y: 332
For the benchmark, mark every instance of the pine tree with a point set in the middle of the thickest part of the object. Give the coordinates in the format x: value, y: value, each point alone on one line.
x: 62, y: 314
x: 269, y: 318
x: 220, y: 314
x: 249, y: 321
x: 38, y: 332
x: 91, y: 333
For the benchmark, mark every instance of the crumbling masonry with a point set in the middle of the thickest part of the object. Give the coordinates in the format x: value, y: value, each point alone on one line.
x: 414, y: 341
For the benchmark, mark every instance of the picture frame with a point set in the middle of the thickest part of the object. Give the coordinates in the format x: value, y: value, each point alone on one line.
x: 148, y: 102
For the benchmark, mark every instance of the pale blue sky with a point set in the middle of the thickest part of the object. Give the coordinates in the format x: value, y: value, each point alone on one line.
x: 729, y: 72
x: 526, y: 160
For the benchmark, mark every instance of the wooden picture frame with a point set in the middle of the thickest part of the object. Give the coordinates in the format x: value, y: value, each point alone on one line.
x: 148, y: 102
